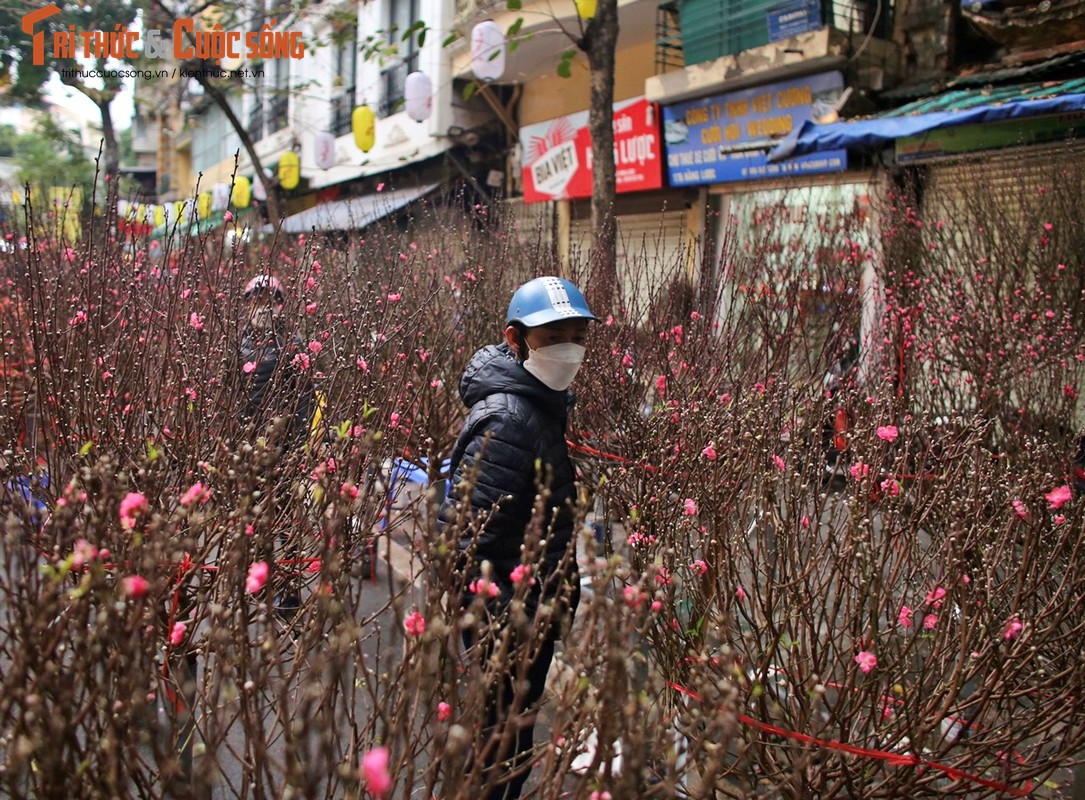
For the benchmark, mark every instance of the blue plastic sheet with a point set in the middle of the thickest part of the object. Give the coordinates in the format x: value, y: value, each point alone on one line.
x: 880, y: 131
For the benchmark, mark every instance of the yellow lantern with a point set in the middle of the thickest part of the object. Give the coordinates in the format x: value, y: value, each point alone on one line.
x: 179, y: 211
x: 242, y: 192
x: 289, y: 170
x: 159, y: 216
x: 363, y: 123
x: 203, y: 205
x: 585, y: 8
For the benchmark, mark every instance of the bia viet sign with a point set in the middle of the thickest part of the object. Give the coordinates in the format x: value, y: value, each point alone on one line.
x: 557, y: 153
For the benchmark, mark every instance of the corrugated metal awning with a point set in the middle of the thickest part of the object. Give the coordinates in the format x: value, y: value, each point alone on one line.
x: 352, y: 213
x: 962, y: 107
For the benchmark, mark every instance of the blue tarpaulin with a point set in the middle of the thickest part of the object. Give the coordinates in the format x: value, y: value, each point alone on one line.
x: 971, y: 107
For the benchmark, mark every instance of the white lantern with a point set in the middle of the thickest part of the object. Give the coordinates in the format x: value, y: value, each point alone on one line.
x: 220, y: 197
x: 418, y: 96
x: 122, y: 209
x: 169, y: 212
x: 488, y: 51
x: 324, y: 145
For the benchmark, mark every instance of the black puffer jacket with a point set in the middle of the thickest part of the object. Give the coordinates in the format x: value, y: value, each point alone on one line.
x: 515, y: 422
x: 274, y: 386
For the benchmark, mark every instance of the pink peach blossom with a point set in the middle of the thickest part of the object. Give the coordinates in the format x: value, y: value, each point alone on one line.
x: 135, y: 586
x: 257, y: 577
x: 374, y: 771
x: 1059, y: 496
x: 887, y: 433
x: 196, y: 493
x: 177, y: 633
x: 859, y: 470
x: 866, y: 660
x: 415, y: 624
x: 481, y: 586
x: 521, y: 573
x: 131, y: 506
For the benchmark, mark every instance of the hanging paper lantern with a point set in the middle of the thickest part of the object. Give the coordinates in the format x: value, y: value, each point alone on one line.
x: 363, y: 123
x: 585, y: 8
x: 180, y: 211
x: 289, y: 170
x: 159, y: 216
x: 141, y: 213
x: 241, y: 194
x: 203, y: 205
x: 418, y: 96
x: 220, y: 197
x: 122, y: 207
x: 488, y: 51
x: 324, y: 145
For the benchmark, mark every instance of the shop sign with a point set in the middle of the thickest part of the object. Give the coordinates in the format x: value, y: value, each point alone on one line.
x: 1028, y: 131
x: 793, y: 18
x: 557, y: 153
x: 727, y: 137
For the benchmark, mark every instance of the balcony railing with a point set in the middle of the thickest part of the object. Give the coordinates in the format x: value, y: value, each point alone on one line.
x: 714, y: 28
x: 255, y: 128
x: 278, y: 113
x: 342, y: 108
x: 466, y: 9
x: 393, y: 80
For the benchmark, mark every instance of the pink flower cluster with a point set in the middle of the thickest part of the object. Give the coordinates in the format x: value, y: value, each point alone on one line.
x: 374, y: 771
x: 257, y: 577
x: 483, y: 587
x: 415, y: 624
x: 196, y: 493
x: 132, y: 506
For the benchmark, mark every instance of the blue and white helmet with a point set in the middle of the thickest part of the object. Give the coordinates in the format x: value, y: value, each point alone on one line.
x: 545, y: 300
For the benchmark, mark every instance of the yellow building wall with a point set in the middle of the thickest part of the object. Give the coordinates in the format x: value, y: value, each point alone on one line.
x: 553, y: 96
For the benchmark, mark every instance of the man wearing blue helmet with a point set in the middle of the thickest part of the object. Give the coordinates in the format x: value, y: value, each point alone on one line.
x: 512, y: 443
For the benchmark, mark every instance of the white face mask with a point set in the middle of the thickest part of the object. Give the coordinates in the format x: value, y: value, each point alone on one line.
x: 556, y: 365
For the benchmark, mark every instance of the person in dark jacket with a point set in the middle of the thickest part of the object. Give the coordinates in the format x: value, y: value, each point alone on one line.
x: 279, y: 402
x: 277, y: 391
x: 513, y: 443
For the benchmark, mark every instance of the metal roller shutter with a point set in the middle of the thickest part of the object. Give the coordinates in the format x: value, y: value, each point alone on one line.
x: 653, y: 250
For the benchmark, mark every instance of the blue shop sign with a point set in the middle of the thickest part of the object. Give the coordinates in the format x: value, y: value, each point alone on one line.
x: 726, y: 137
x: 793, y: 18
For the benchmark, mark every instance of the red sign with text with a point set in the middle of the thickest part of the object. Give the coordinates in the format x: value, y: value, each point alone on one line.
x: 557, y: 153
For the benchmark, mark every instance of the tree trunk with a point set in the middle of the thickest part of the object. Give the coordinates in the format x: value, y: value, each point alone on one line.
x: 109, y: 136
x: 223, y: 103
x: 600, y: 42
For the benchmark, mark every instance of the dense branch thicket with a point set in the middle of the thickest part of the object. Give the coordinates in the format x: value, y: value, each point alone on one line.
x: 862, y: 585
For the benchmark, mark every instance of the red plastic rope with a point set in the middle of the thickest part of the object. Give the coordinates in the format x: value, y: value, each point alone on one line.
x: 591, y: 451
x: 896, y: 759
